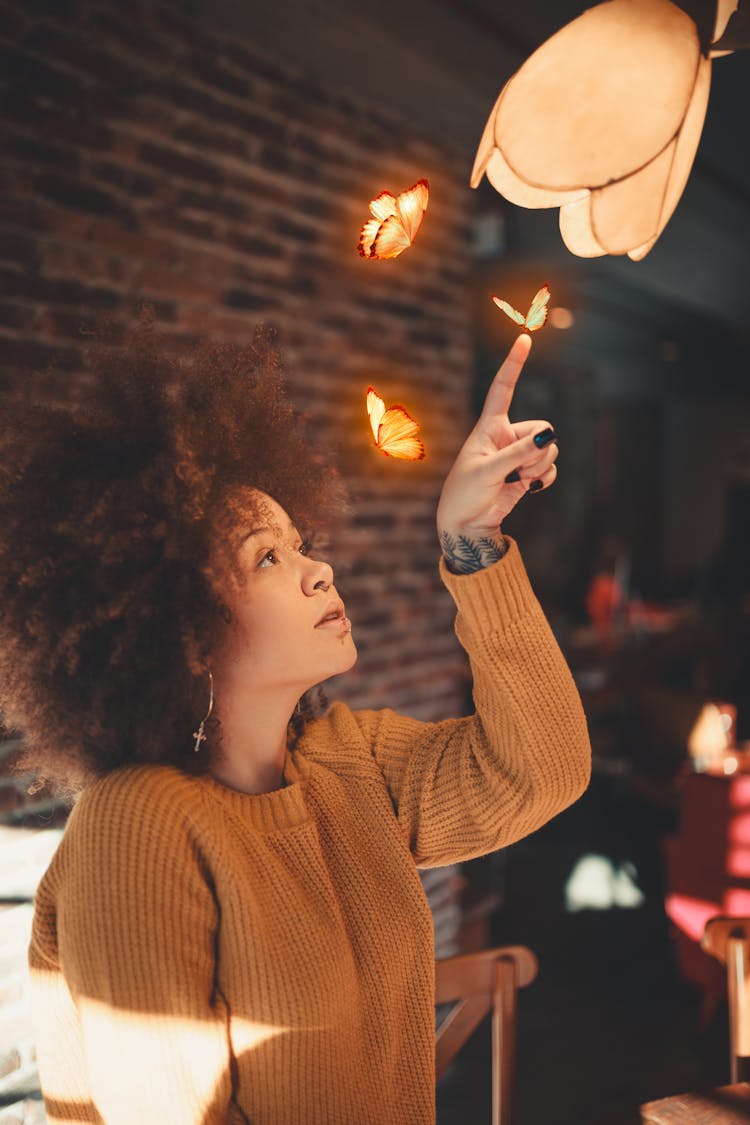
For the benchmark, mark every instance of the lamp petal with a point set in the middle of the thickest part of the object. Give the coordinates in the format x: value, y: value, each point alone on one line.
x: 486, y: 145
x: 725, y: 9
x: 626, y: 213
x: 684, y: 154
x: 736, y: 34
x: 490, y: 161
x: 575, y: 228
x: 517, y: 191
x: 567, y: 119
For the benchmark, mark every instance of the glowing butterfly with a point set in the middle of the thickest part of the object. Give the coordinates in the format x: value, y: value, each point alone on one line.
x: 394, y: 430
x: 535, y: 318
x: 395, y: 222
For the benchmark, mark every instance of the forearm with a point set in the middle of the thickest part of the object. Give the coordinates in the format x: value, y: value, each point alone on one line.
x: 530, y: 745
x: 464, y: 787
x: 467, y: 553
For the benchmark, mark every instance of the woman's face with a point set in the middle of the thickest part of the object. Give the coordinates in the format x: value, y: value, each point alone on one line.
x: 275, y: 638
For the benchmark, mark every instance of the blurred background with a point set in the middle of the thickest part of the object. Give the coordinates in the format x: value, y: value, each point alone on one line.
x: 215, y: 161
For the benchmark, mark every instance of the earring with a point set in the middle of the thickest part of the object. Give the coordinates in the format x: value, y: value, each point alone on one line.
x: 198, y: 734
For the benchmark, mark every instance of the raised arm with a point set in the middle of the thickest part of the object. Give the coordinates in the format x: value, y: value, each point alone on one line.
x: 464, y: 787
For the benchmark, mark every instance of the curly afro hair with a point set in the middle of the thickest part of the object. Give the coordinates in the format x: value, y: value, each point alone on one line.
x: 109, y: 513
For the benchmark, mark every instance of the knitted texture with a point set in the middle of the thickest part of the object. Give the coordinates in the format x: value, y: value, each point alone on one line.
x: 201, y: 955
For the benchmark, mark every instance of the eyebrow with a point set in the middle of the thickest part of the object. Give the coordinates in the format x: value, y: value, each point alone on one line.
x: 260, y: 530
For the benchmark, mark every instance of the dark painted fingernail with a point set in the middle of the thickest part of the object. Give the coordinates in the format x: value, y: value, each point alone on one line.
x: 513, y: 477
x: 544, y: 438
x: 535, y: 486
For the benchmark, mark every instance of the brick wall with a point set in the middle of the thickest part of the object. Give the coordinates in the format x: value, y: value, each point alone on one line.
x: 147, y: 158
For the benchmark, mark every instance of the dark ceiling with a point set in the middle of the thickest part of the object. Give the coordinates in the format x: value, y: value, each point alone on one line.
x: 441, y: 63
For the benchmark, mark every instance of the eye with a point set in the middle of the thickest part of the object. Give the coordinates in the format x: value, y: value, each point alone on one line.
x: 268, y: 555
x: 304, y: 548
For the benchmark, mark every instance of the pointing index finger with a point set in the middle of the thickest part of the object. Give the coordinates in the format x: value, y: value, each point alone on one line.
x: 500, y: 394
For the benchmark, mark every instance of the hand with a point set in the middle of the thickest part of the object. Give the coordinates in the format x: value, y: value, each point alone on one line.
x: 476, y: 497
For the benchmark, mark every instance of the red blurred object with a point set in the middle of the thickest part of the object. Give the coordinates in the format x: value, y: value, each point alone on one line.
x: 605, y: 599
x: 707, y: 864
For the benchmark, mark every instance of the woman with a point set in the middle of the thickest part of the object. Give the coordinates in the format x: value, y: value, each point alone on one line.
x: 233, y: 928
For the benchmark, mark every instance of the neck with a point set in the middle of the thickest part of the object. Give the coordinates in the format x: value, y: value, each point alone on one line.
x: 253, y: 737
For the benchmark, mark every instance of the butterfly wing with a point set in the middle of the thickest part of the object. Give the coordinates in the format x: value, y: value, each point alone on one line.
x: 538, y: 313
x: 367, y: 236
x: 397, y: 435
x: 395, y: 222
x: 375, y: 410
x: 383, y: 206
x: 412, y: 205
x: 514, y: 314
x: 391, y: 240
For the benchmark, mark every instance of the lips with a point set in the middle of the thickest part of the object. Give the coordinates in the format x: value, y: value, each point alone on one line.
x: 334, y: 611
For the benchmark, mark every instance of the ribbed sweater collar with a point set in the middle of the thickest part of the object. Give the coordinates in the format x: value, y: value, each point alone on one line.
x: 268, y: 812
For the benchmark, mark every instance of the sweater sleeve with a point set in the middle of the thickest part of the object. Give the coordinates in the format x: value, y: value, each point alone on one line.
x: 133, y: 979
x: 465, y: 787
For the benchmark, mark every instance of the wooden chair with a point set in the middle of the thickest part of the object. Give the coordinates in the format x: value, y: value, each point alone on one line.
x: 728, y: 939
x: 482, y: 982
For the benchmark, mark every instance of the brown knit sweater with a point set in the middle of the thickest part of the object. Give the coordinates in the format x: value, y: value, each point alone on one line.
x: 201, y: 955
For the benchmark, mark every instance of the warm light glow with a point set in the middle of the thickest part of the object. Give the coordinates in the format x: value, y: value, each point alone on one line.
x: 150, y: 1042
x: 580, y: 125
x: 709, y: 736
x: 561, y: 318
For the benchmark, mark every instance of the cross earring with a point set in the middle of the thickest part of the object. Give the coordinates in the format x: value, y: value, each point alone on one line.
x: 198, y: 734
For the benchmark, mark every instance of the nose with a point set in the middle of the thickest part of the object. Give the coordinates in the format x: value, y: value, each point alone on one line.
x: 318, y: 577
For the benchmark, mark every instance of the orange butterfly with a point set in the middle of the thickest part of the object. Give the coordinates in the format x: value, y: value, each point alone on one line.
x: 395, y: 223
x: 395, y: 431
x: 535, y: 318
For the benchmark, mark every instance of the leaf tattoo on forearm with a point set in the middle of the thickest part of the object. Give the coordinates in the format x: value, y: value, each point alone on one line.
x: 464, y: 555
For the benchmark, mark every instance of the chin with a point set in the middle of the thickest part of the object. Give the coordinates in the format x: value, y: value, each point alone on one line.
x: 346, y: 661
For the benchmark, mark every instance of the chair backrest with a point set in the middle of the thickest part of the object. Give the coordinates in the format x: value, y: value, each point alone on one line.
x: 728, y: 939
x: 482, y: 982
